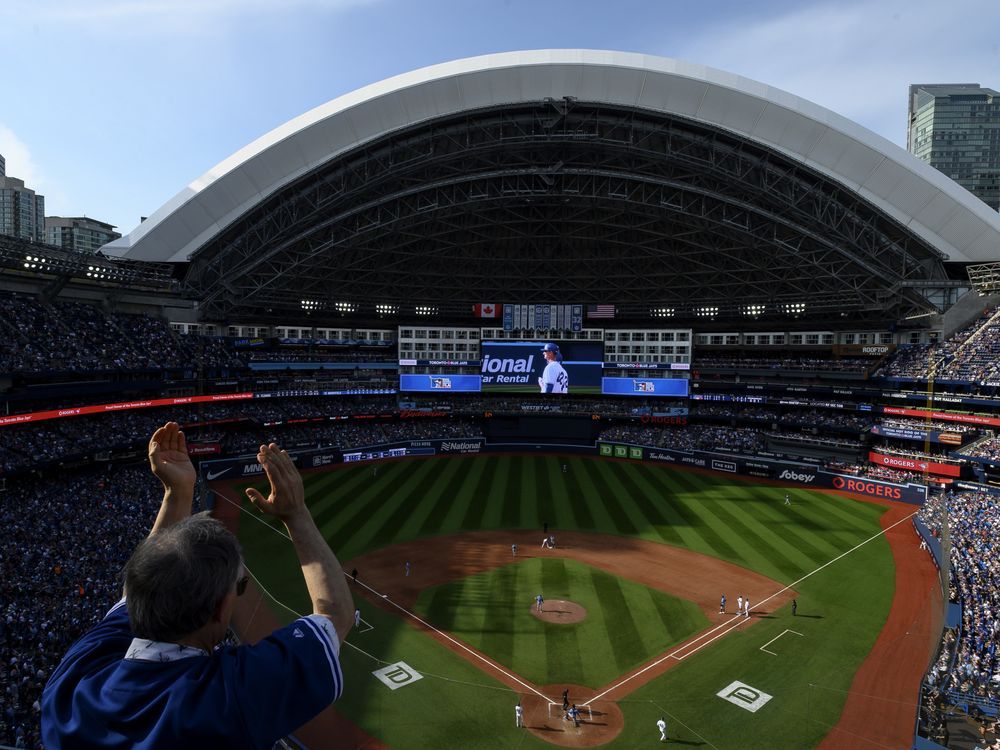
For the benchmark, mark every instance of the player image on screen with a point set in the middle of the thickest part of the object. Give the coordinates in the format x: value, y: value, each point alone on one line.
x: 554, y: 378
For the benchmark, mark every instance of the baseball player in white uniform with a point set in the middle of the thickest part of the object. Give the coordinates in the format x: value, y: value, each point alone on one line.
x: 518, y: 715
x: 513, y: 550
x: 357, y: 618
x: 739, y: 604
x: 662, y: 726
x: 554, y: 378
x: 746, y: 607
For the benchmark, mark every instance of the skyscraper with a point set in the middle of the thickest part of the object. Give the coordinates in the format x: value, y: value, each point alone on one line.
x: 955, y: 127
x: 22, y: 212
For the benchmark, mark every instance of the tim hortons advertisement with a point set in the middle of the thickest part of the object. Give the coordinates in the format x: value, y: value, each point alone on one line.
x: 204, y: 449
x: 914, y: 464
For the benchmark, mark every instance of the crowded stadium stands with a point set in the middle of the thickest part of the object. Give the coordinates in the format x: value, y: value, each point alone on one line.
x: 971, y: 673
x: 51, y: 593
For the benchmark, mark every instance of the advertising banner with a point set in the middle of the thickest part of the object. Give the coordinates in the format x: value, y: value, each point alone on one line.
x: 542, y: 366
x: 946, y: 416
x: 39, y: 416
x: 909, y: 433
x: 460, y: 445
x: 914, y: 464
x: 440, y: 383
x: 645, y: 386
x: 204, y: 449
x: 783, y: 471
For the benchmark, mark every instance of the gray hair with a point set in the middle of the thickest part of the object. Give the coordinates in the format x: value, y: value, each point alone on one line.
x: 177, y: 577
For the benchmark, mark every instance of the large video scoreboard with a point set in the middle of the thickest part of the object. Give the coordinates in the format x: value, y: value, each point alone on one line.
x: 520, y: 367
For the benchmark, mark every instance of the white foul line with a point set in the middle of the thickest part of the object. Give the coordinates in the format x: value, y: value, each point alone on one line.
x: 461, y: 645
x: 741, y: 620
x: 764, y: 649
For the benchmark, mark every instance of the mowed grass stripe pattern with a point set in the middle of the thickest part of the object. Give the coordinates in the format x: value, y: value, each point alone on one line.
x: 493, y: 612
x: 841, y: 608
x: 748, y: 524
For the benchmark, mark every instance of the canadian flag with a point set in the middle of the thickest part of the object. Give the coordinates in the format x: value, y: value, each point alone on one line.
x: 486, y: 311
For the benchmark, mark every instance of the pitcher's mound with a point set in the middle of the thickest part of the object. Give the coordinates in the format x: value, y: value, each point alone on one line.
x: 560, y: 610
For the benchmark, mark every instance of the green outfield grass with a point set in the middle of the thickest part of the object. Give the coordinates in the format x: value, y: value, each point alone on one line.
x: 741, y: 522
x: 626, y: 625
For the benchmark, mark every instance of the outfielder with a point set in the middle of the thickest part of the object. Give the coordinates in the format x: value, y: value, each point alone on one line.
x: 554, y: 378
x: 357, y: 618
x: 662, y: 726
x: 787, y: 501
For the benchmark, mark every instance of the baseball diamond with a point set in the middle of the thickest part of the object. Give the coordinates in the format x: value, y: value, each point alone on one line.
x: 626, y: 531
x: 584, y: 398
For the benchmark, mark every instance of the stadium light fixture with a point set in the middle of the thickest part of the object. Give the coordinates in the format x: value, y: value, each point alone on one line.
x: 383, y: 309
x: 753, y: 311
x: 794, y: 308
x: 344, y: 307
x: 706, y: 312
x: 425, y: 310
x: 662, y: 312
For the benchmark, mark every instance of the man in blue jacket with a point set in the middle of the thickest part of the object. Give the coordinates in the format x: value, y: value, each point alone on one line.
x: 152, y: 674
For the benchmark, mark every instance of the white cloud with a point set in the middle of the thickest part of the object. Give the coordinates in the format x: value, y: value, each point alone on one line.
x: 20, y: 163
x: 858, y: 58
x: 22, y: 166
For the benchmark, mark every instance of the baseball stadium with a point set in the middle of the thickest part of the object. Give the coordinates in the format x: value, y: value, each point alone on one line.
x: 641, y: 403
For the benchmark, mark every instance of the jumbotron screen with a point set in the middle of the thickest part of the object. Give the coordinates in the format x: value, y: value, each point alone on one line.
x: 542, y: 366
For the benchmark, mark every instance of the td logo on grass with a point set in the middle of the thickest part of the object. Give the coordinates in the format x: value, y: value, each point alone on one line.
x: 397, y: 675
x: 742, y: 695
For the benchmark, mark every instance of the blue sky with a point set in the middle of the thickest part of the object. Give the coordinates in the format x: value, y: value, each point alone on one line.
x: 110, y: 107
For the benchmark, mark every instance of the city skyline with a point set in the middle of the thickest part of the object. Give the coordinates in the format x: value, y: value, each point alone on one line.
x: 147, y: 96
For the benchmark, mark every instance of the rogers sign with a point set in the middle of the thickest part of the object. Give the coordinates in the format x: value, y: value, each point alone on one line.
x: 650, y: 419
x: 867, y: 487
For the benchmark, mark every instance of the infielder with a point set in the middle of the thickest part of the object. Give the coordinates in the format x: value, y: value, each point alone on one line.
x: 513, y: 550
x: 746, y: 607
x: 407, y: 567
x: 538, y: 602
x: 722, y: 605
x: 554, y: 378
x: 662, y: 726
x: 739, y: 604
x: 518, y: 716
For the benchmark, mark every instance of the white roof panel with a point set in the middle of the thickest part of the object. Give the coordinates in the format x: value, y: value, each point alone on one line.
x: 939, y: 210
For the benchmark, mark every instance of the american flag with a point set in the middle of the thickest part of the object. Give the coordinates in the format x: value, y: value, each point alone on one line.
x: 600, y: 311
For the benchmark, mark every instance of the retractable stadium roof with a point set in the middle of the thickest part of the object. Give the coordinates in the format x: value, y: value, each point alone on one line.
x: 568, y: 175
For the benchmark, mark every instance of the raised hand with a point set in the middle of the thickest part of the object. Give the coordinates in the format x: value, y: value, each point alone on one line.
x: 287, y: 496
x: 169, y: 459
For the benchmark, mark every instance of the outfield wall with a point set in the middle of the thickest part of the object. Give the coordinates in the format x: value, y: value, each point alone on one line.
x: 783, y: 471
